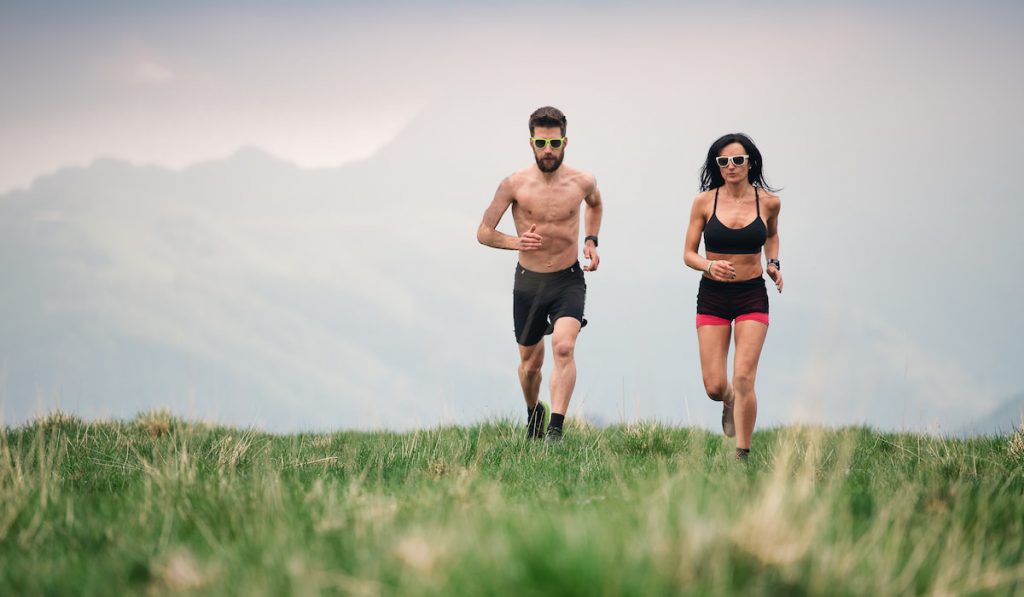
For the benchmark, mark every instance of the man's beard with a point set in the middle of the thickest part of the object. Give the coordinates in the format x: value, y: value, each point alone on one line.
x: 548, y: 167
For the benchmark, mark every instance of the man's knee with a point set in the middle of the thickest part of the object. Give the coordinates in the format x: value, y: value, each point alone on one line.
x: 563, y: 348
x: 529, y: 369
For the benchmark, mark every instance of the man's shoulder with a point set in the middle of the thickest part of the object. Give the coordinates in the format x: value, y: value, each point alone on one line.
x: 523, y: 175
x: 581, y: 177
x: 516, y: 179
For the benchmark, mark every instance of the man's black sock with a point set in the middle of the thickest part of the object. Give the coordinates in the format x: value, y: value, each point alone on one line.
x: 556, y: 421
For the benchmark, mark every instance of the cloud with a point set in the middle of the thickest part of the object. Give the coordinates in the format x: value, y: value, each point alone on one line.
x: 153, y: 73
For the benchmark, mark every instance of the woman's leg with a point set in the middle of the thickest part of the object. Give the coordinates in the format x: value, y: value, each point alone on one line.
x: 750, y: 335
x: 714, y: 351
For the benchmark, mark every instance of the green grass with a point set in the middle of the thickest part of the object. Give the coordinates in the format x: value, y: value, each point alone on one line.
x: 158, y: 505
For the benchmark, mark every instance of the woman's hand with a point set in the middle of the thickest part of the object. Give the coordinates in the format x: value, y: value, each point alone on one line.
x: 722, y: 270
x: 775, y: 275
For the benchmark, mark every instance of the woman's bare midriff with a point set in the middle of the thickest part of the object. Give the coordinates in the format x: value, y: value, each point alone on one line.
x: 747, y: 267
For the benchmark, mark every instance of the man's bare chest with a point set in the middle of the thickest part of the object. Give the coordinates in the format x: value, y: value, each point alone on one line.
x: 550, y: 204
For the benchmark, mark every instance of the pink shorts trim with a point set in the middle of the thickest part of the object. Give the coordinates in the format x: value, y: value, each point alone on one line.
x: 711, y: 320
x: 762, y: 317
x: 703, y: 319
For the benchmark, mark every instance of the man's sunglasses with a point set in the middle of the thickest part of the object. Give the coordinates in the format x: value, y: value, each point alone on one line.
x: 737, y: 160
x: 541, y: 143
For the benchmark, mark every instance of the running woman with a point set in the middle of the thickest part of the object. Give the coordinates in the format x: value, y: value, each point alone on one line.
x: 548, y: 290
x: 739, y: 216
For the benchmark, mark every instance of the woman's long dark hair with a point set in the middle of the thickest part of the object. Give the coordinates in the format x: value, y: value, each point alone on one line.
x: 711, y: 175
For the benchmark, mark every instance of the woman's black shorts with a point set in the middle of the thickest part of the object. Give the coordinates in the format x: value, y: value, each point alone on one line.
x: 731, y: 300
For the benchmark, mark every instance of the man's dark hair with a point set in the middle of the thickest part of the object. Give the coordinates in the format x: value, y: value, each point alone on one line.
x: 547, y: 116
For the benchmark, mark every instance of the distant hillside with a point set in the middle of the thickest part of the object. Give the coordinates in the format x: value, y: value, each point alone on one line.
x: 252, y: 291
x: 248, y: 290
x: 1006, y: 417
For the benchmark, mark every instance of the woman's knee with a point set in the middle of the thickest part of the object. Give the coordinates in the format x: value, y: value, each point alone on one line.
x: 743, y: 382
x: 716, y: 388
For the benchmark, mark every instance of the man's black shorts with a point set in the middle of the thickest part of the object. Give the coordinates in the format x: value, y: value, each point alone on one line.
x: 539, y: 299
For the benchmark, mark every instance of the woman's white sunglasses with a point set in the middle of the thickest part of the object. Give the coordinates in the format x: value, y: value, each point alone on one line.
x: 735, y: 160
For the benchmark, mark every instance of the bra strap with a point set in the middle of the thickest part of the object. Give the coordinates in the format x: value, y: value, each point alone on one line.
x: 757, y: 202
x: 715, y: 208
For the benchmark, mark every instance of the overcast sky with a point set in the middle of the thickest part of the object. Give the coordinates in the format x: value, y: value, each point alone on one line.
x: 324, y: 83
x: 892, y: 130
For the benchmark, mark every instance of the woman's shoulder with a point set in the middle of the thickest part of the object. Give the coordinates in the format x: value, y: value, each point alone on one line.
x: 770, y: 200
x: 704, y: 197
x: 701, y: 208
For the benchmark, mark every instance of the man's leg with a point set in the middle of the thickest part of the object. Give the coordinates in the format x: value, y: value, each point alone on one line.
x: 529, y: 313
x: 750, y: 337
x: 563, y: 374
x: 538, y: 414
x: 531, y: 360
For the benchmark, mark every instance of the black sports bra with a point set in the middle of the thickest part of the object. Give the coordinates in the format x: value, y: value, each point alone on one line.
x: 719, y: 238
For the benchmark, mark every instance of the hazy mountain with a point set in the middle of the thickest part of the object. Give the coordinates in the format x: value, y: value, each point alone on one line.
x: 1005, y: 418
x: 244, y: 289
x: 253, y: 291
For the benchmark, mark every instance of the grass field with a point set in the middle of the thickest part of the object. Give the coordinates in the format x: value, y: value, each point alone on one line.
x: 158, y: 505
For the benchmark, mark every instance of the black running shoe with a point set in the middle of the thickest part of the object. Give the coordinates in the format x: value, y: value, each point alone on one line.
x: 537, y: 426
x: 742, y: 455
x: 553, y: 436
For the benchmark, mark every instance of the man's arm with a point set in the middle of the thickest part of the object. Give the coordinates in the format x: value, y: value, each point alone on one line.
x: 592, y: 224
x: 487, y: 233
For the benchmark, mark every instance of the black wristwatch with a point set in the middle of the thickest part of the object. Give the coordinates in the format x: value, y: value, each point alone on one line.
x: 591, y: 237
x: 776, y: 263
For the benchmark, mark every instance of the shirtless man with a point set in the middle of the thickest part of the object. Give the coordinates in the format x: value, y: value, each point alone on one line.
x: 549, y: 290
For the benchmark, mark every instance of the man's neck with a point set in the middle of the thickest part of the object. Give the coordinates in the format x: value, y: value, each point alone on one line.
x: 548, y: 177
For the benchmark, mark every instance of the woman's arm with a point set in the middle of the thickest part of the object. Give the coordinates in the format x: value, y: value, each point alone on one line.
x: 717, y: 269
x: 771, y: 244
